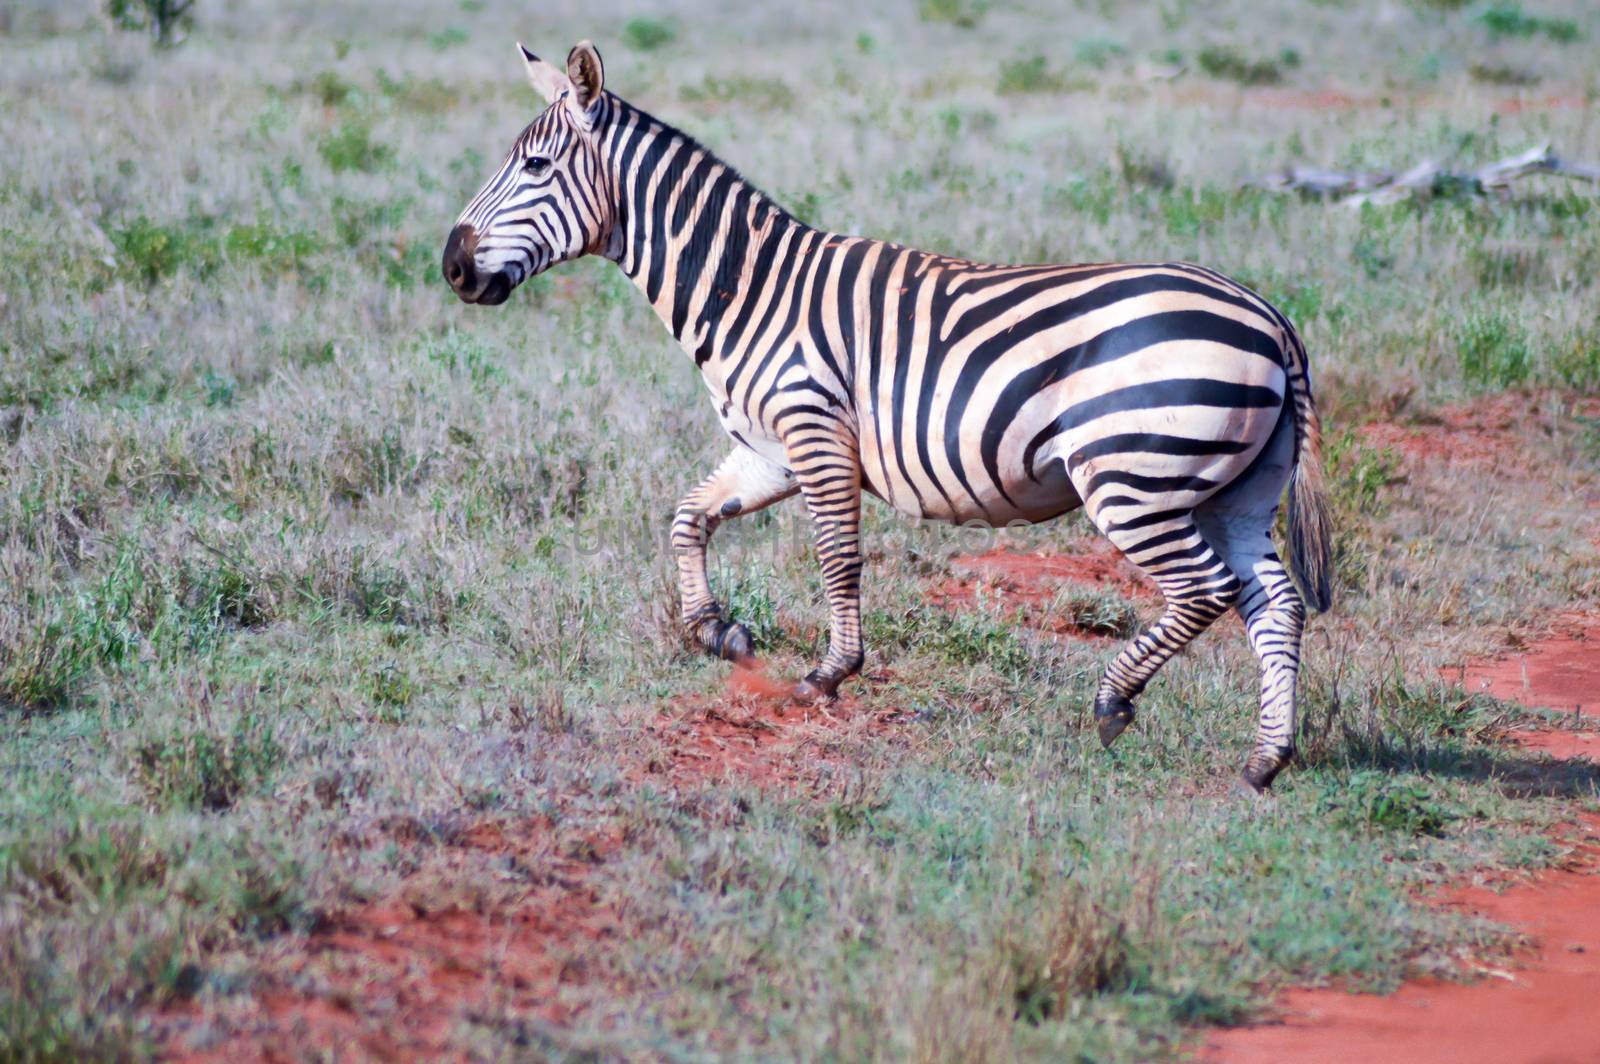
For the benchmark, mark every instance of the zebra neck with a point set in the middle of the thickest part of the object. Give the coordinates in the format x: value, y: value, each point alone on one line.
x: 692, y: 234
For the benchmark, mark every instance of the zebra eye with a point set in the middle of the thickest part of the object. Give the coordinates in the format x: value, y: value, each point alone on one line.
x: 536, y: 164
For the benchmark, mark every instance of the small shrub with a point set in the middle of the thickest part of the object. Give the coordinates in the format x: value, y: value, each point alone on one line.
x: 276, y: 249
x: 1189, y: 212
x: 167, y: 21
x: 153, y: 251
x: 648, y: 34
x: 750, y: 602
x: 1359, y: 479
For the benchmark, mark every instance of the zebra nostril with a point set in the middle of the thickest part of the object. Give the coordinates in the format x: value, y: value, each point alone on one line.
x: 458, y: 251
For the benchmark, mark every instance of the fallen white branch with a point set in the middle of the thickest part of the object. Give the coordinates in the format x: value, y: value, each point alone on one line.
x: 1425, y: 179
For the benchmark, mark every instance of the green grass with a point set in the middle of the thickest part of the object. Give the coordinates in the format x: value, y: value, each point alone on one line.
x: 304, y: 565
x: 1510, y: 20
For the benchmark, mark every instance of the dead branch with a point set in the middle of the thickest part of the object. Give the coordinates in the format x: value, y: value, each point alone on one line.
x: 1424, y: 179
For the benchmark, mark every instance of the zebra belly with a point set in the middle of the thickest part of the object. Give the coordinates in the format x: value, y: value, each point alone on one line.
x: 1027, y: 497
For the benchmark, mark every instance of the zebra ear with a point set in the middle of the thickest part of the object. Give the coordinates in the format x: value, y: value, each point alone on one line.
x: 587, y: 74
x: 546, y: 80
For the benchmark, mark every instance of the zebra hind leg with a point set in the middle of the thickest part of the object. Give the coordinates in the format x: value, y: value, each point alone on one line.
x: 1274, y: 617
x: 743, y: 483
x: 1198, y: 586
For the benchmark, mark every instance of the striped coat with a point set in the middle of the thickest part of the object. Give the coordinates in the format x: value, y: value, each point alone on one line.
x: 1171, y: 403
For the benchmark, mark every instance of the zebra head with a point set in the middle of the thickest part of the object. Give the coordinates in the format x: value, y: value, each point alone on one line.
x: 548, y: 201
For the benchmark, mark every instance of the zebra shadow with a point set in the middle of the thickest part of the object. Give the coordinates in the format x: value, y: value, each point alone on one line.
x: 1514, y: 771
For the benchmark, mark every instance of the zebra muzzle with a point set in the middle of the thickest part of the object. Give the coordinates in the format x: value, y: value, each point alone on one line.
x: 460, y: 268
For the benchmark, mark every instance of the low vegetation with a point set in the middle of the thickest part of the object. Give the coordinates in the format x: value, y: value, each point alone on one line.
x: 307, y: 571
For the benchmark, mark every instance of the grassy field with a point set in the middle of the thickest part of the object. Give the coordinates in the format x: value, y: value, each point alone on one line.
x: 304, y: 566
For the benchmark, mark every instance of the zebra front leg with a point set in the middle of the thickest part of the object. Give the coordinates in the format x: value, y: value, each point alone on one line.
x: 744, y: 483
x: 830, y: 480
x: 1198, y: 586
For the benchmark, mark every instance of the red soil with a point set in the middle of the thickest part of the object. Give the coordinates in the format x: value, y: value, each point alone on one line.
x: 395, y: 979
x: 498, y: 925
x: 1023, y: 586
x: 1561, y: 672
x: 757, y: 732
x: 1485, y: 431
x: 1517, y: 105
x: 1543, y: 1012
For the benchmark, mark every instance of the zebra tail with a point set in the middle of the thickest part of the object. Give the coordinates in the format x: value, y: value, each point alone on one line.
x: 1310, y: 526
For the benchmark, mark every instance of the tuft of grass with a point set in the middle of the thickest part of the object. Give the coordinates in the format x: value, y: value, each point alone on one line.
x: 1231, y: 64
x: 391, y: 689
x: 1029, y: 75
x: 1099, y: 613
x: 648, y: 34
x: 1502, y: 74
x: 330, y: 89
x: 1098, y: 52
x: 203, y: 767
x: 1376, y: 800
x: 759, y: 93
x: 1082, y: 951
x: 448, y: 38
x: 351, y: 147
x: 1510, y: 20
x: 152, y: 251
x: 965, y: 14
x: 166, y: 21
x: 1493, y: 351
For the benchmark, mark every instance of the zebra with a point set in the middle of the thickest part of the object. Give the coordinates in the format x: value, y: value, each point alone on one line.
x: 1172, y: 404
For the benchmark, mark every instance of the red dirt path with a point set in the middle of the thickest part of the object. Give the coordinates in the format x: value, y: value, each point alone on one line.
x: 1547, y: 1011
x: 393, y: 980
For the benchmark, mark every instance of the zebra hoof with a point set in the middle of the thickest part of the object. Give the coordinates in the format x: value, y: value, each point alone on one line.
x: 1112, y: 715
x: 1245, y: 791
x: 1260, y: 771
x: 814, y: 688
x: 733, y: 643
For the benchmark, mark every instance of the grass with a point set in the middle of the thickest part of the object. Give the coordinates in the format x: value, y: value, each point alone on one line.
x: 297, y: 553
